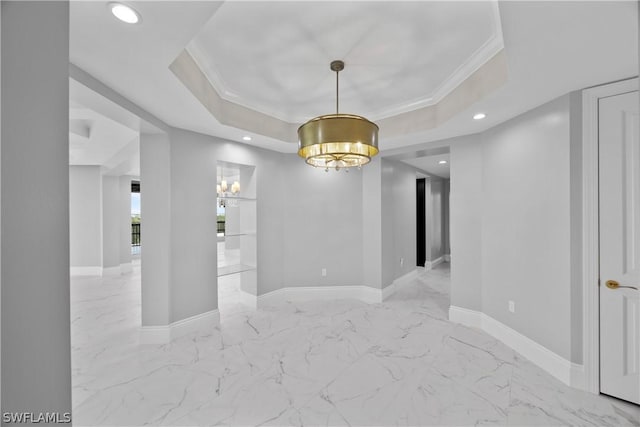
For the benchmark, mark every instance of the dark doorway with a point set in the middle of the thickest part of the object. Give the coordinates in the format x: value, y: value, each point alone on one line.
x: 421, y: 219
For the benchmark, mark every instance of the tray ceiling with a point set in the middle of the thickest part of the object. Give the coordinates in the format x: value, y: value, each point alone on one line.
x: 273, y: 57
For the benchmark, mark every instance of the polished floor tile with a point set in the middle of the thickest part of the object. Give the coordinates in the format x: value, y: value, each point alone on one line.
x: 342, y: 362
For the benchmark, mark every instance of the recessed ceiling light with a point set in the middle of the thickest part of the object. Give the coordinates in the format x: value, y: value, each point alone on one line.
x: 246, y: 138
x: 124, y: 13
x: 479, y: 116
x: 442, y: 162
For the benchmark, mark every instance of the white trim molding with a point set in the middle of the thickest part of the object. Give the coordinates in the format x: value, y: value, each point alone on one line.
x: 248, y: 299
x: 400, y: 282
x: 86, y: 271
x: 164, y: 334
x: 312, y: 293
x: 590, y: 222
x: 363, y: 293
x: 126, y: 267
x: 111, y: 271
x: 447, y: 257
x: 429, y: 265
x: 566, y: 371
x: 387, y: 291
x: 100, y: 271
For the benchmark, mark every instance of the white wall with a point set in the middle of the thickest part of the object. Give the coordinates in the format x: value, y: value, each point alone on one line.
x: 111, y: 224
x: 0, y: 212
x: 436, y: 212
x: 100, y: 221
x: 155, y: 204
x: 36, y: 369
x: 398, y: 220
x: 269, y: 188
x: 445, y: 217
x: 179, y: 241
x: 576, y: 191
x: 466, y: 223
x: 193, y: 226
x: 372, y: 224
x: 307, y: 220
x: 85, y: 216
x: 511, y: 229
x: 323, y: 216
x: 526, y: 224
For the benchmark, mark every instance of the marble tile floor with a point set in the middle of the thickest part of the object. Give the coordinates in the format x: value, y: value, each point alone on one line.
x: 315, y: 363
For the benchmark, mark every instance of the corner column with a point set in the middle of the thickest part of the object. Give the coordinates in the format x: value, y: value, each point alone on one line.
x: 36, y: 359
x: 372, y: 223
x: 110, y: 225
x: 155, y: 201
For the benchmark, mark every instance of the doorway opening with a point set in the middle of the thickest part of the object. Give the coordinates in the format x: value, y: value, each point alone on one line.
x: 421, y: 220
x: 136, y: 220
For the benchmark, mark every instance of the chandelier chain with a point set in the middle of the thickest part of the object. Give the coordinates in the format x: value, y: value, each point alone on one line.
x: 337, y: 91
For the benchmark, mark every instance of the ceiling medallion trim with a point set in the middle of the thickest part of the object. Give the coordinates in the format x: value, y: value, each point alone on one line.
x: 485, y: 80
x: 477, y: 60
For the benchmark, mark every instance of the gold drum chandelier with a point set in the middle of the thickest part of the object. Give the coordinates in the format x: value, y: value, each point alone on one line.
x: 337, y: 140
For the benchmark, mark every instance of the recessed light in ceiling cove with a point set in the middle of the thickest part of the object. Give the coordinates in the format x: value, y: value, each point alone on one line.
x: 479, y: 116
x: 246, y: 138
x: 124, y: 13
x: 442, y: 162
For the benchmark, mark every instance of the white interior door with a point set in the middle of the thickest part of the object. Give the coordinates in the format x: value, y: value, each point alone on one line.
x: 619, y: 170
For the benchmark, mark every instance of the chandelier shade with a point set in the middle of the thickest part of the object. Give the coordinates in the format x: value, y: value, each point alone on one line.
x: 338, y: 140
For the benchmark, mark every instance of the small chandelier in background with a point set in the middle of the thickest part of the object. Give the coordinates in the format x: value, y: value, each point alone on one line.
x: 222, y: 188
x: 337, y: 140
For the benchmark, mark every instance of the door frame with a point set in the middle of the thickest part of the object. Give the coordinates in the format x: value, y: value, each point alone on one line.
x: 590, y: 229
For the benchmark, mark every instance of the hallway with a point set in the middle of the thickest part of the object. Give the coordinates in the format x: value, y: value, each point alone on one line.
x: 315, y: 363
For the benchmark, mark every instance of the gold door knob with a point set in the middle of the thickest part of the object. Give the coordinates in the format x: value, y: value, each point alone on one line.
x: 612, y: 284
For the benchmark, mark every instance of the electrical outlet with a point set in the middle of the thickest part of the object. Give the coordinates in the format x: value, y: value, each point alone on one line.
x: 324, y: 272
x: 512, y: 306
x: 401, y: 262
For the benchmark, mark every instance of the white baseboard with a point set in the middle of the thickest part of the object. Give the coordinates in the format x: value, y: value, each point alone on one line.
x: 312, y: 293
x: 388, y: 291
x: 400, y: 282
x: 99, y: 271
x: 248, y: 299
x: 163, y: 334
x: 465, y: 316
x: 111, y: 271
x: 86, y: 271
x: 428, y: 265
x: 569, y: 373
x: 578, y: 377
x: 447, y: 257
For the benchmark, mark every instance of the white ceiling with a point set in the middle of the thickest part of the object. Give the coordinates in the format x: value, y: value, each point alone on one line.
x: 399, y: 56
x: 551, y: 48
x: 431, y: 165
x: 95, y: 139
